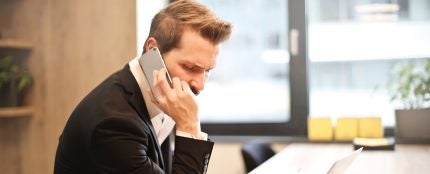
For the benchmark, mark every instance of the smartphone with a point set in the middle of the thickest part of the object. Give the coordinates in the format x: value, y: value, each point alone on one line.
x: 151, y: 61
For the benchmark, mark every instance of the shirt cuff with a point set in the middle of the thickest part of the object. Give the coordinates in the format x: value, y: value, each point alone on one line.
x: 200, y: 136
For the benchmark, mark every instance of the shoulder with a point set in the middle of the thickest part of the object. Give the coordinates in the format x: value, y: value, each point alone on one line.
x: 122, y: 123
x: 106, y: 107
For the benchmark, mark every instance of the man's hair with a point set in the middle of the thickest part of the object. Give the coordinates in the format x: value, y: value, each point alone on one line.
x: 168, y: 25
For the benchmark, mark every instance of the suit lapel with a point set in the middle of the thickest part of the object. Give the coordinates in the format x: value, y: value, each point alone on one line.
x: 136, y: 100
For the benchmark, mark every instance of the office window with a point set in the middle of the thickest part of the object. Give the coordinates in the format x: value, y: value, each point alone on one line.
x: 353, y: 46
x: 257, y: 88
x: 145, y: 11
x: 250, y: 82
x: 248, y: 93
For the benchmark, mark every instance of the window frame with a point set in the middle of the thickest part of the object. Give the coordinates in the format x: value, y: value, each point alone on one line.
x: 299, y: 90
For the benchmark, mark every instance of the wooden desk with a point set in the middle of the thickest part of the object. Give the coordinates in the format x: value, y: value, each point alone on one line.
x: 317, y: 158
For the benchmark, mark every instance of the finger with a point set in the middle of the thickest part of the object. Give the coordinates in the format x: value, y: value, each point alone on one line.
x: 164, y: 85
x: 177, y: 85
x: 158, y: 84
x: 154, y: 77
x: 186, y: 88
x: 151, y: 96
x: 155, y: 82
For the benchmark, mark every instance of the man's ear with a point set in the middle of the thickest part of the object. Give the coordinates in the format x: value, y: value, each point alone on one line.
x: 150, y: 43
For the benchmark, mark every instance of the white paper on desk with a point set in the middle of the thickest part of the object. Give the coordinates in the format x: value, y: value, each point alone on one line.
x: 338, y: 167
x: 273, y: 170
x: 341, y: 165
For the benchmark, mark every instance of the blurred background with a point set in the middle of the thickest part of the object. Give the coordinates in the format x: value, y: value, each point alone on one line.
x: 286, y: 60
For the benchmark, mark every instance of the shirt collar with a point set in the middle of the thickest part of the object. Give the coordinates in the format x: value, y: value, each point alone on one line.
x: 161, y: 122
x: 143, y: 85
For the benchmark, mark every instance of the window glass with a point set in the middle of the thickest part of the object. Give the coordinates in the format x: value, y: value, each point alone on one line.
x: 145, y: 11
x: 250, y: 82
x: 353, y: 47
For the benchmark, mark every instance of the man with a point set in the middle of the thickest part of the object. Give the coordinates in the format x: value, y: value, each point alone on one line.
x: 118, y: 127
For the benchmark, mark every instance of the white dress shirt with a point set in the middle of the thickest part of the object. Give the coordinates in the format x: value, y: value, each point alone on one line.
x: 163, y: 124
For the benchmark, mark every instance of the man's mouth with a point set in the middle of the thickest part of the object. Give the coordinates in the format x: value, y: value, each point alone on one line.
x: 195, y: 91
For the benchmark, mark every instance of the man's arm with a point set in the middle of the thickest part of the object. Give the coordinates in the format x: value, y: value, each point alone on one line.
x: 191, y: 155
x: 120, y: 145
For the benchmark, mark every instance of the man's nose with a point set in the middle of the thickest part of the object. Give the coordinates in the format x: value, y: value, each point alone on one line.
x: 198, y: 83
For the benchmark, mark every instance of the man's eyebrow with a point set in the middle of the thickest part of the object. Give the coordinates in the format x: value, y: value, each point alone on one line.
x: 200, y: 66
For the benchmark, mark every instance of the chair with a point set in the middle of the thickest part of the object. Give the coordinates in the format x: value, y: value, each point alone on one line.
x: 255, y: 153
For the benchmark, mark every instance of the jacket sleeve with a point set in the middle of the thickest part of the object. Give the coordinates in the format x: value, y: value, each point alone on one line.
x: 120, y: 145
x: 191, y: 156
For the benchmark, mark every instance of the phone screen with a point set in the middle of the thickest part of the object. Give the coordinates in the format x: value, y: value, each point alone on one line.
x: 151, y: 61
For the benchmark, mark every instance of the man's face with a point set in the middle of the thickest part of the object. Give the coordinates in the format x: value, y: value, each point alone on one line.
x: 192, y: 60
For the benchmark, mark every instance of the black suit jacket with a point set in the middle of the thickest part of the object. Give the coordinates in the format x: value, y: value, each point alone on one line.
x: 110, y: 131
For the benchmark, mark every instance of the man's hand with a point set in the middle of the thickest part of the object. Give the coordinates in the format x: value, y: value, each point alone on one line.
x: 179, y: 102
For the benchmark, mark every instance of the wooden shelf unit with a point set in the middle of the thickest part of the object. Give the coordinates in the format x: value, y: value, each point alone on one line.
x: 15, y: 44
x: 13, y: 112
x: 19, y: 111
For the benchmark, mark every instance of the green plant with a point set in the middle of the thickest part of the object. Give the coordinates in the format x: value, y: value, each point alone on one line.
x: 10, y: 72
x: 410, y: 84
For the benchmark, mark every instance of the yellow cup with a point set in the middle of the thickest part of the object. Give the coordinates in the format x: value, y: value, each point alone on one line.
x: 370, y: 127
x: 320, y: 129
x: 346, y: 129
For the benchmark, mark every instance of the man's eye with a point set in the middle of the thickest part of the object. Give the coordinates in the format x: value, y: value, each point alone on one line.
x: 191, y: 68
x: 207, y: 73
